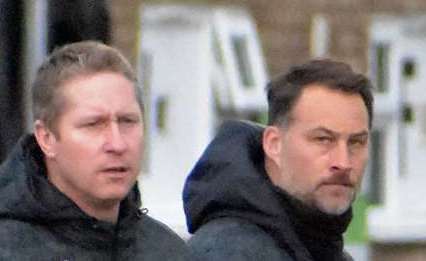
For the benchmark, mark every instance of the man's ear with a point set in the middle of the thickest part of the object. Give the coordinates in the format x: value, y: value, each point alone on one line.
x: 46, y: 139
x: 272, y: 144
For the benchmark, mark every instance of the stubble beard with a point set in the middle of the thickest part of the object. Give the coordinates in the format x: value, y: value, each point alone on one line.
x: 335, y: 206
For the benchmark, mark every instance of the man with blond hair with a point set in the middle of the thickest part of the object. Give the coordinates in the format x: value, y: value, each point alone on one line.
x: 68, y: 191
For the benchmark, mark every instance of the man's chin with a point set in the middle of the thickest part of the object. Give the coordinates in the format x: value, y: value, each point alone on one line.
x: 334, y: 202
x: 114, y: 196
x: 336, y: 211
x: 332, y: 207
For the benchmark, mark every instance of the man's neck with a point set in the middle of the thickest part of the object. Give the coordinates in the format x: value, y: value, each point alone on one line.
x: 107, y: 212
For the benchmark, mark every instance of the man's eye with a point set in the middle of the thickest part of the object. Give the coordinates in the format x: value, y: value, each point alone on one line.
x: 128, y: 121
x: 358, y: 142
x: 92, y: 123
x: 324, y: 139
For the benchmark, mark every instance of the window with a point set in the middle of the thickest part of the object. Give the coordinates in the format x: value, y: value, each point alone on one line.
x: 380, y: 65
x: 161, y: 113
x: 239, y: 44
x: 408, y: 68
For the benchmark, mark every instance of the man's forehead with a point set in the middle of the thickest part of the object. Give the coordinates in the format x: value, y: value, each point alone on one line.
x: 323, y: 102
x: 99, y: 93
x: 341, y: 115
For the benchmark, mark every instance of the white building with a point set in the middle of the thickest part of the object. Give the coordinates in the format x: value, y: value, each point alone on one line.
x: 200, y: 66
x: 398, y: 51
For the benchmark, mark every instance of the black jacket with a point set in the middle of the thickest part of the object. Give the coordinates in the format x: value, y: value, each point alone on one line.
x: 38, y: 222
x: 236, y: 213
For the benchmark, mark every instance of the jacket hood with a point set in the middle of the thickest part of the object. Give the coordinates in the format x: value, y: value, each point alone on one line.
x: 28, y: 195
x: 222, y: 180
x: 230, y: 180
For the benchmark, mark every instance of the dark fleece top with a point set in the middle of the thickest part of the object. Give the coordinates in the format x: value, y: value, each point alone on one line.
x: 237, y: 213
x: 38, y: 222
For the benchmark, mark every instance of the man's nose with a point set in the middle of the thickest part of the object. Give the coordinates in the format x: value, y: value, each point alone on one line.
x: 114, y: 142
x: 341, y: 158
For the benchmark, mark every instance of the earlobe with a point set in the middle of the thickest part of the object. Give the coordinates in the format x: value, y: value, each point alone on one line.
x: 45, y: 139
x: 272, y: 144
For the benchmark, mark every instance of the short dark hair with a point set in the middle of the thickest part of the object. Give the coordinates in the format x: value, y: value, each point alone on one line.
x: 70, y: 61
x: 283, y: 91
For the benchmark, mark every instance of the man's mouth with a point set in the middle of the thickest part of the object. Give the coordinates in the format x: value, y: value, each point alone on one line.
x: 116, y: 170
x: 338, y: 186
x: 339, y: 180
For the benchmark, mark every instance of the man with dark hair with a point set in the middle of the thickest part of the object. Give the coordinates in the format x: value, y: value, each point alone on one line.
x: 284, y: 192
x: 68, y: 191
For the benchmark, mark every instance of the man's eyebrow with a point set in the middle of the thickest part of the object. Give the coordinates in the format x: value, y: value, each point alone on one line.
x: 323, y: 129
x: 331, y: 132
x: 360, y: 134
